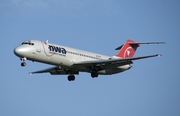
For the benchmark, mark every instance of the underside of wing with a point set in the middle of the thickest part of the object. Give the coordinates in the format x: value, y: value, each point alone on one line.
x: 56, y: 71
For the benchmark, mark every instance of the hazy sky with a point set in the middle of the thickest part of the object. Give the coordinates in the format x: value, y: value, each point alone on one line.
x: 150, y: 88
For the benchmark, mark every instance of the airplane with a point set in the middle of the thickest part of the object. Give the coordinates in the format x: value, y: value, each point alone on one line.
x: 70, y: 61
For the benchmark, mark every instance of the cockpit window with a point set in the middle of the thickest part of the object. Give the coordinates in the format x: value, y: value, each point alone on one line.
x: 28, y: 43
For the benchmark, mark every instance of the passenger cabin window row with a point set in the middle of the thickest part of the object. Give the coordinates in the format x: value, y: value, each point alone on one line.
x: 87, y: 56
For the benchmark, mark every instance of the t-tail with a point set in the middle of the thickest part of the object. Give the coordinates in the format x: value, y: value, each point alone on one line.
x: 128, y: 49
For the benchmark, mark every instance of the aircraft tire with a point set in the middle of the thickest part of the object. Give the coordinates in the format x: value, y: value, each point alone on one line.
x: 71, y: 78
x: 23, y: 64
x: 94, y: 74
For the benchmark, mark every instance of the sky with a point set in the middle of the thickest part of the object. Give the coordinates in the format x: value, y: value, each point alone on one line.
x: 150, y: 88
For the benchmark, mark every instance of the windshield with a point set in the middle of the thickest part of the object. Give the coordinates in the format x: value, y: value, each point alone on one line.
x: 27, y: 42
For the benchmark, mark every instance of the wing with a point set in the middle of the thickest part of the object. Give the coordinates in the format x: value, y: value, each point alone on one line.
x: 117, y: 61
x: 56, y: 71
x: 87, y: 65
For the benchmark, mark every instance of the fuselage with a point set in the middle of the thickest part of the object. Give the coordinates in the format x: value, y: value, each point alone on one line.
x: 63, y: 56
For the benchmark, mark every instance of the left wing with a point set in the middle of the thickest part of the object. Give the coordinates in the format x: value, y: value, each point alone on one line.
x: 88, y: 64
x: 56, y: 71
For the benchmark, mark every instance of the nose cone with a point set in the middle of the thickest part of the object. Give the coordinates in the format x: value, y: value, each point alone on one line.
x: 18, y: 51
x: 21, y: 51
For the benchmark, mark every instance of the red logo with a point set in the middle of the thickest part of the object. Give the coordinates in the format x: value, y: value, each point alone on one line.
x: 128, y: 52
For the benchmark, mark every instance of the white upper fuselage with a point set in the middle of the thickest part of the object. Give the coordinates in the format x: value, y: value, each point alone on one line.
x: 49, y: 53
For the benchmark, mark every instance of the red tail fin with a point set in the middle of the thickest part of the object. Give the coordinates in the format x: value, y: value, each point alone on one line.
x: 127, y: 50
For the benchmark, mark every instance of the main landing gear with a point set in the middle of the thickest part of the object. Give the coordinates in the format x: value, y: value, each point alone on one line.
x: 71, y: 77
x: 94, y: 74
x: 23, y: 63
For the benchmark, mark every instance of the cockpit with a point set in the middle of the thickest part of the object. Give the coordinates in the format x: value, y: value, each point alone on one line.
x: 28, y: 43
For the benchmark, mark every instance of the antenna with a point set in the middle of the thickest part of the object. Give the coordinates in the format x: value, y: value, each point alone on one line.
x: 46, y: 42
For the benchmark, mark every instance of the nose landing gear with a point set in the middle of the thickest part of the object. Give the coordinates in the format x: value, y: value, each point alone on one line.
x: 23, y: 63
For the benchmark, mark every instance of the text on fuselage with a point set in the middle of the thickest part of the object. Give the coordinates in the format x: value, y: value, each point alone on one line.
x: 57, y: 49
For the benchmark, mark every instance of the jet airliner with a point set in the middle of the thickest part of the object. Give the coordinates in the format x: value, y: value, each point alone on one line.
x: 70, y: 61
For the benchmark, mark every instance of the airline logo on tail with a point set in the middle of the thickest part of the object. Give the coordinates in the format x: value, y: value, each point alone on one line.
x: 127, y: 49
x: 127, y: 52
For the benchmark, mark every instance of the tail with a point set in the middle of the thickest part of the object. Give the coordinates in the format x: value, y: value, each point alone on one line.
x: 127, y: 50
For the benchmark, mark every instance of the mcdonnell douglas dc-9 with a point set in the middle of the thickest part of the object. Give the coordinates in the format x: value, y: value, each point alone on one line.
x: 71, y: 61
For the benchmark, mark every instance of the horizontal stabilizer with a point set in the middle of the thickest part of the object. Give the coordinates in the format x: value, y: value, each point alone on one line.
x: 137, y: 43
x: 146, y: 42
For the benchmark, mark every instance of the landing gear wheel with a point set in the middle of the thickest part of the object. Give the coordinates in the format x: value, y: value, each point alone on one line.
x: 23, y: 64
x: 94, y: 74
x: 71, y: 78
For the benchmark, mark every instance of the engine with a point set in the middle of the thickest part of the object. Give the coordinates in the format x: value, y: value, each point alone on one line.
x: 125, y: 67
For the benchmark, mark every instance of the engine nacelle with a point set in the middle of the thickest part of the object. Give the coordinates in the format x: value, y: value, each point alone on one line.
x: 125, y: 67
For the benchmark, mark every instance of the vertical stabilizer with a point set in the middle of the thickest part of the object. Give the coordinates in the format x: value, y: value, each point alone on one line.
x: 127, y: 50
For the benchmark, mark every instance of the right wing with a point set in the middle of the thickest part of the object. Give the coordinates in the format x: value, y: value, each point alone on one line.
x: 120, y: 61
x: 112, y: 62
